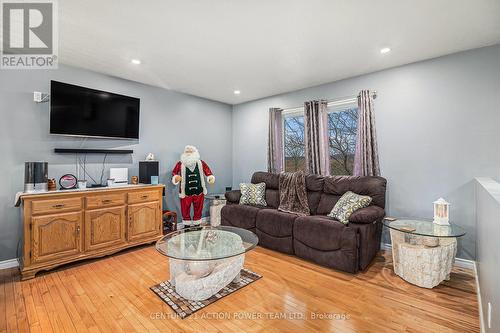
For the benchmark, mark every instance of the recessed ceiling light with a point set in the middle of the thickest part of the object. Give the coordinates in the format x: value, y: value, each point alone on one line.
x: 136, y: 61
x: 385, y: 50
x: 237, y: 92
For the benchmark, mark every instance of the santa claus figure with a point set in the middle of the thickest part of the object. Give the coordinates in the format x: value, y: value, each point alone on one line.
x: 190, y: 173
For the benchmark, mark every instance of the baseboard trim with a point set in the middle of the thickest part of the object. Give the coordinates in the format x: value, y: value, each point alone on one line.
x: 385, y: 246
x: 459, y: 262
x: 465, y: 263
x: 482, y: 325
x: 11, y: 263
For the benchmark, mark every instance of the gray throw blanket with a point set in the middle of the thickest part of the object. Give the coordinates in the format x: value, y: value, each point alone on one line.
x: 293, y: 195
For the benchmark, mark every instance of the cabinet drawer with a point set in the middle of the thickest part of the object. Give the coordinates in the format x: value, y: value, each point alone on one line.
x: 143, y: 196
x: 106, y: 200
x: 55, y: 205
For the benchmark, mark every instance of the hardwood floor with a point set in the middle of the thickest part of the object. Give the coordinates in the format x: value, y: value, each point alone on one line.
x: 112, y: 294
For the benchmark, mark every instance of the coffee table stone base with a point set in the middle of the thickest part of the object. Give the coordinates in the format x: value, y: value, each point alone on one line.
x: 199, y: 280
x: 420, y: 264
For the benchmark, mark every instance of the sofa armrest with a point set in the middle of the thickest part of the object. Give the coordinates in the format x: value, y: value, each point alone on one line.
x: 233, y: 196
x: 368, y: 214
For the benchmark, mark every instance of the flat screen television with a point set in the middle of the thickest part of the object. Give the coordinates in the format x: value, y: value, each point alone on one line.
x: 81, y: 111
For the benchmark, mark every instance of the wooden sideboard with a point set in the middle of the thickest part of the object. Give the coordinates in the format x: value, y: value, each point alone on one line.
x: 66, y: 226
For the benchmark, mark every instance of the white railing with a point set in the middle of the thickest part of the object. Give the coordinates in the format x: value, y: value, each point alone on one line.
x: 488, y: 252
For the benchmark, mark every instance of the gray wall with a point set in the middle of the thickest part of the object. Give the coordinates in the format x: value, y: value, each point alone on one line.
x: 437, y: 124
x: 169, y: 120
x: 488, y: 251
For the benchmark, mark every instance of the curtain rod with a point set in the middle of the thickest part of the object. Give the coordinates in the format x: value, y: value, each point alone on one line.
x: 331, y: 101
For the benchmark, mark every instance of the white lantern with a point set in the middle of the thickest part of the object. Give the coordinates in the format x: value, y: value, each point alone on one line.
x: 441, y: 212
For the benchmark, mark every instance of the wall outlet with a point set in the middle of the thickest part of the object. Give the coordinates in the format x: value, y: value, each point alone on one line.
x: 37, y: 96
x: 489, y: 315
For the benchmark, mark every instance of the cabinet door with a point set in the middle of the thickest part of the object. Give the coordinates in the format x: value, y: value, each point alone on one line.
x: 104, y: 228
x: 144, y: 220
x: 56, y: 236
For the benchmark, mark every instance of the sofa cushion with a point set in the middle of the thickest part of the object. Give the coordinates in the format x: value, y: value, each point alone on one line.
x: 253, y: 194
x: 348, y: 204
x: 275, y: 223
x: 344, y: 259
x: 373, y: 187
x: 319, y: 232
x: 281, y: 244
x: 314, y: 186
x: 315, y: 183
x: 271, y: 179
x: 313, y: 199
x: 233, y: 196
x: 367, y: 215
x: 326, y: 203
x: 272, y: 198
x: 241, y: 216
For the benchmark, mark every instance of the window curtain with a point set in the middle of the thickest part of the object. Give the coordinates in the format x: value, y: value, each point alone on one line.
x: 366, y: 161
x: 275, y: 141
x: 316, y: 137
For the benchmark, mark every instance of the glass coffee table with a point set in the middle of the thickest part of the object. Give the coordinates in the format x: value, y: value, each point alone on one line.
x: 423, y: 252
x: 203, y: 260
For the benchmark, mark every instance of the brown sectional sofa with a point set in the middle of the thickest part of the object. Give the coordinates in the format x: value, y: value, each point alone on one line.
x: 317, y: 238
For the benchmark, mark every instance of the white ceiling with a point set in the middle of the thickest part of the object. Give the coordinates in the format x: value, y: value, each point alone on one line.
x: 210, y: 48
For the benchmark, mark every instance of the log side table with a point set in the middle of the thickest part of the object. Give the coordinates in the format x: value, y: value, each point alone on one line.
x: 423, y: 252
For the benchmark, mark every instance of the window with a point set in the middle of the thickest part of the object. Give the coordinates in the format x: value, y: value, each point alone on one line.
x: 293, y: 142
x: 342, y: 128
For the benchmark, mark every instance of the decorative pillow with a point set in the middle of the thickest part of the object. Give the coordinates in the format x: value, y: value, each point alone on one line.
x: 253, y: 194
x: 348, y: 204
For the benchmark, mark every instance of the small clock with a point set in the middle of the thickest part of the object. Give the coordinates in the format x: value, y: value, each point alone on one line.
x: 68, y: 182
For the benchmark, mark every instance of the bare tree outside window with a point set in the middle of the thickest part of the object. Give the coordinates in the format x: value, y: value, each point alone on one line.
x: 342, y: 127
x: 294, y: 145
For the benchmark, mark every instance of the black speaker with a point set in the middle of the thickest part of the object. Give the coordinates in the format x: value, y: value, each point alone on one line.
x: 35, y: 176
x: 148, y: 169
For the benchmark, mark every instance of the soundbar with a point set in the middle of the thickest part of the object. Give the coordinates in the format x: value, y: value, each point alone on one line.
x: 91, y: 151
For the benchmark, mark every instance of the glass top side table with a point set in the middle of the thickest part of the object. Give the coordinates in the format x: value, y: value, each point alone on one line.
x: 423, y: 252
x: 425, y: 228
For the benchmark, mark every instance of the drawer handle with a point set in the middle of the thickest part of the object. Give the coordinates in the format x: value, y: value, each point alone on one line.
x: 145, y: 196
x: 78, y: 231
x: 59, y: 206
x: 107, y: 201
